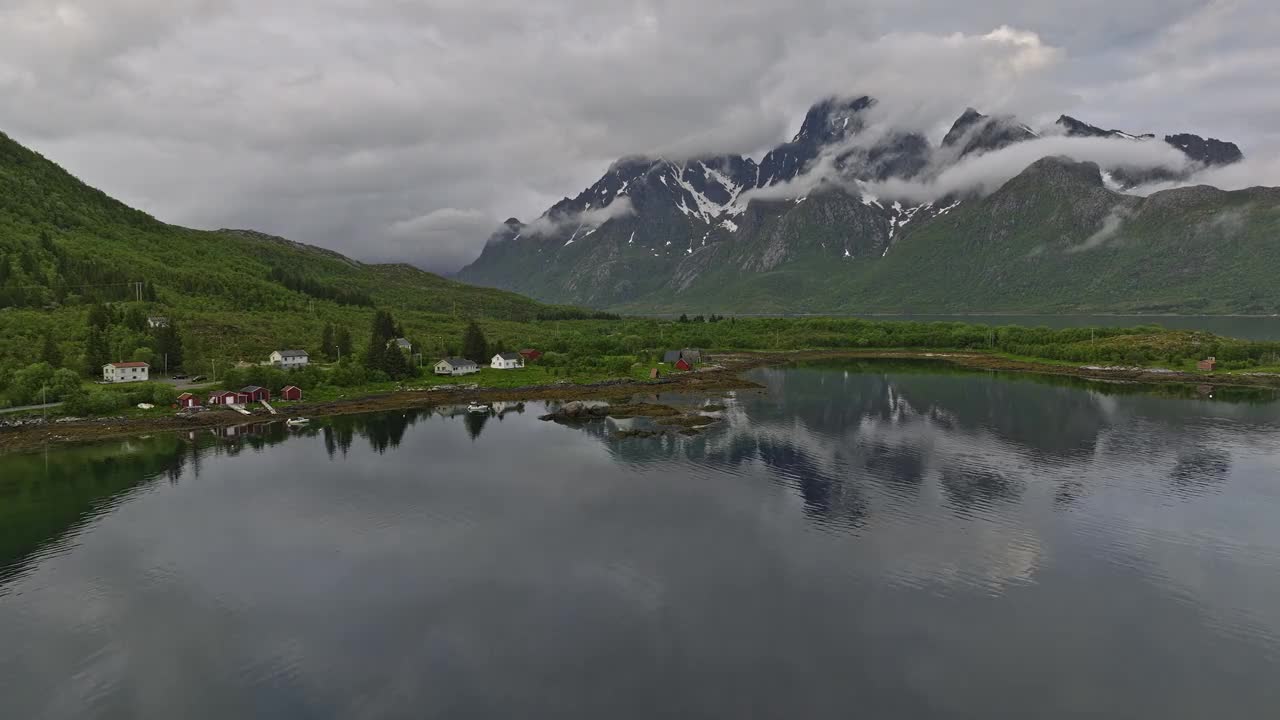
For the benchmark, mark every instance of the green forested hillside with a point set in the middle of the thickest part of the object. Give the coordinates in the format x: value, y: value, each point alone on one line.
x: 66, y: 248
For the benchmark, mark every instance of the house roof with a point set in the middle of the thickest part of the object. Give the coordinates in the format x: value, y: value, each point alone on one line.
x: 184, y: 396
x: 457, y: 361
x: 250, y: 389
x: 222, y: 393
x: 402, y: 342
x: 530, y: 351
x: 292, y: 353
x: 290, y: 387
x: 508, y: 356
x: 129, y: 364
x: 690, y: 354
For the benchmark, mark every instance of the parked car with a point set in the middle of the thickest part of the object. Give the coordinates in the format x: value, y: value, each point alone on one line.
x: 179, y: 377
x: 199, y: 378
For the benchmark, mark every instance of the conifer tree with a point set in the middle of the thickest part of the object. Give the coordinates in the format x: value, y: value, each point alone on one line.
x: 327, y: 341
x: 49, y: 351
x: 474, y: 345
x: 342, y: 341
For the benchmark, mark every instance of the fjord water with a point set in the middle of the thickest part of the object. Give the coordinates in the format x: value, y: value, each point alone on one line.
x: 854, y: 541
x: 1245, y: 327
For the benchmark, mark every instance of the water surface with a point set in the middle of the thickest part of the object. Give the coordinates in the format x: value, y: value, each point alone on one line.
x: 864, y: 540
x: 1247, y: 327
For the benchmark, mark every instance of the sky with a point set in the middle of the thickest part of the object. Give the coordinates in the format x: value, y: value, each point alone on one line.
x: 402, y: 130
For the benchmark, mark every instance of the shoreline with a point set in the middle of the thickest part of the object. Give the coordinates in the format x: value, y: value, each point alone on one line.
x: 726, y: 376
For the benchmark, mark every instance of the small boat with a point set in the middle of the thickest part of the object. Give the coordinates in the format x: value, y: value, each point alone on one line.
x: 477, y: 407
x: 297, y: 421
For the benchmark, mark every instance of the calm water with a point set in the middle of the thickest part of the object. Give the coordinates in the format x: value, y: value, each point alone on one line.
x: 858, y: 541
x: 1248, y: 327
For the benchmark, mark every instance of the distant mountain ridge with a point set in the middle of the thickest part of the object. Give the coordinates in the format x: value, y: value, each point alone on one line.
x: 654, y: 233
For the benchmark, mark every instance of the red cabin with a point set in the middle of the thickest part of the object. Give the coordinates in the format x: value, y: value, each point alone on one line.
x: 683, y: 364
x: 530, y: 354
x: 1208, y: 364
x: 291, y: 392
x: 254, y: 393
x: 223, y: 397
x: 187, y: 400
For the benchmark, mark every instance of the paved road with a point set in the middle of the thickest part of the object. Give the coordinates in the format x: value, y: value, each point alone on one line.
x: 28, y: 408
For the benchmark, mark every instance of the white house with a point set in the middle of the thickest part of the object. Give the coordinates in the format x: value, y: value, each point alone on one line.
x: 121, y: 372
x: 506, y: 361
x: 157, y: 321
x: 456, y: 366
x: 289, y: 359
x: 401, y: 344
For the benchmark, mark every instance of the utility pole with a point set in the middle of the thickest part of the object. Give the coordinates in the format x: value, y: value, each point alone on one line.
x: 44, y: 400
x: 166, y: 364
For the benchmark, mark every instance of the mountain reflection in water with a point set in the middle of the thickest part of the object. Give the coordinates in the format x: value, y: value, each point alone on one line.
x: 889, y: 540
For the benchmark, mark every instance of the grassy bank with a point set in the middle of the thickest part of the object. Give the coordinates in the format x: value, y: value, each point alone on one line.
x: 529, y: 384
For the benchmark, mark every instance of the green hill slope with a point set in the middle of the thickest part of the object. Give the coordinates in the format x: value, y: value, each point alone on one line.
x: 65, y: 246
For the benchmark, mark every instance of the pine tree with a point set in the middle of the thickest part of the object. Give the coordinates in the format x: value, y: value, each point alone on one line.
x: 380, y: 331
x: 327, y: 341
x: 342, y: 341
x: 96, y: 353
x: 375, y: 355
x: 169, y: 345
x: 381, y: 355
x: 136, y: 319
x: 474, y: 345
x: 99, y: 316
x: 384, y: 326
x: 49, y: 351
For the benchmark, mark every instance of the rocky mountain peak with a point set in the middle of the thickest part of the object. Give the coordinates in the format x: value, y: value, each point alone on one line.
x: 1211, y: 151
x: 974, y: 132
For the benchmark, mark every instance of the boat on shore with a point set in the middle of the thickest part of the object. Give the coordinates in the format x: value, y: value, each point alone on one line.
x: 293, y: 422
x: 478, y: 407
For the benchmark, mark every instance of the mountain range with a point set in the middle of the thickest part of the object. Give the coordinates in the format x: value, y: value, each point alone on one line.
x: 852, y: 215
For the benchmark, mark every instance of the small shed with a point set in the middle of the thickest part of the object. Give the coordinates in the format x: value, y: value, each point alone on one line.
x: 254, y: 393
x: 692, y: 355
x: 683, y: 364
x: 223, y: 397
x: 654, y: 374
x: 187, y: 400
x: 291, y: 392
x: 1209, y: 364
x: 530, y: 354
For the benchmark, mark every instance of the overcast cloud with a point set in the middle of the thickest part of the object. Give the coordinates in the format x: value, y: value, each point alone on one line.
x: 402, y: 130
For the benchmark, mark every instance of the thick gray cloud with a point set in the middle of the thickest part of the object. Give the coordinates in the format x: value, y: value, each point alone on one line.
x: 406, y: 130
